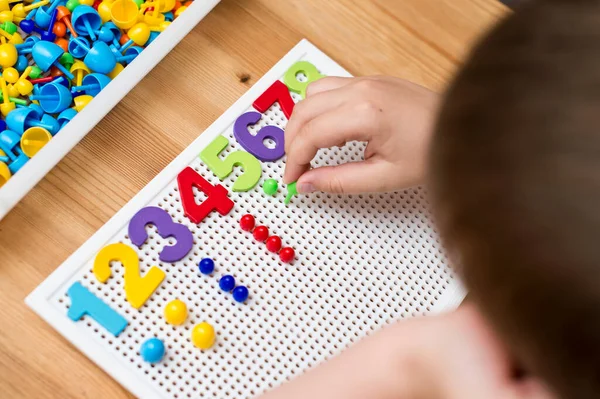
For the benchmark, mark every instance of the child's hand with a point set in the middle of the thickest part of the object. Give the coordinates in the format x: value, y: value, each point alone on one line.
x: 394, y: 116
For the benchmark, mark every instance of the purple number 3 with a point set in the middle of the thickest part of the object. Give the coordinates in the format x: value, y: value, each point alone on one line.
x: 255, y: 144
x: 166, y: 228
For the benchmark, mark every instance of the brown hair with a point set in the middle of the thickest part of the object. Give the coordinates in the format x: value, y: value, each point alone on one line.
x: 515, y: 178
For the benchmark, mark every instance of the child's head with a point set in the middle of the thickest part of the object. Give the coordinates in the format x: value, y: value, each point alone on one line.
x: 515, y: 176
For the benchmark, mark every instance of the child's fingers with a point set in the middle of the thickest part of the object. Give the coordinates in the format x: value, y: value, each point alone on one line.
x: 349, y: 178
x: 310, y: 109
x: 326, y: 84
x: 333, y: 128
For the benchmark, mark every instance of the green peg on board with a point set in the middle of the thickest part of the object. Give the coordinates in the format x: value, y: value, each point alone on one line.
x: 291, y: 191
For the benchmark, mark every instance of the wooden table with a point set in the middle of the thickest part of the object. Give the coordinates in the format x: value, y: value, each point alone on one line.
x: 420, y: 40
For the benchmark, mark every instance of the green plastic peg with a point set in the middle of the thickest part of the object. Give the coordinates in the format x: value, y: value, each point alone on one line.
x: 71, y: 4
x: 270, y: 187
x: 67, y: 60
x: 291, y: 191
x: 36, y: 72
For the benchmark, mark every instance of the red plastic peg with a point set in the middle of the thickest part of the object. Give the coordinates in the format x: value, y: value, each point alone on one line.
x: 273, y: 244
x: 260, y: 233
x: 287, y: 254
x: 247, y: 222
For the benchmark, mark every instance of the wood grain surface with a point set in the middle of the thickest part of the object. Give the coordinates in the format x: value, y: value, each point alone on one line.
x: 420, y: 40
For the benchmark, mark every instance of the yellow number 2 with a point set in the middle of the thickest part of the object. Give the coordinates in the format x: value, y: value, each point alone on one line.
x: 137, y: 288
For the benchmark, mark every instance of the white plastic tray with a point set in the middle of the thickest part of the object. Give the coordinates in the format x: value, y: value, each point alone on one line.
x: 37, y: 167
x: 363, y: 261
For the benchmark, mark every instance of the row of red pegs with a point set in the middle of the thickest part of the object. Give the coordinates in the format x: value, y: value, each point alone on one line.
x: 273, y: 243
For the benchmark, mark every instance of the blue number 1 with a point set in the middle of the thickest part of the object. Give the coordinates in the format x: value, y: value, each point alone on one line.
x: 84, y: 302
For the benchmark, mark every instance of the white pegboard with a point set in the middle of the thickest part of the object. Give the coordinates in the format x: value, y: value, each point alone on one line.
x: 363, y: 261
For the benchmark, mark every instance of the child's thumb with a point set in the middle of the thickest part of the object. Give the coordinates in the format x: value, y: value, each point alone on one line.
x: 350, y: 178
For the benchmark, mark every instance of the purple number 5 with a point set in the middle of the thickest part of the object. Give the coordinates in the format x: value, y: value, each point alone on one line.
x: 166, y: 228
x: 255, y: 144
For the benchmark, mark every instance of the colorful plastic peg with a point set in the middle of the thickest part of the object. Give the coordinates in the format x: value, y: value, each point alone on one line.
x: 139, y: 33
x: 152, y: 350
x: 287, y: 254
x: 86, y: 21
x: 124, y: 13
x: 93, y: 83
x: 206, y: 266
x: 20, y: 11
x: 29, y: 26
x: 46, y: 54
x: 4, y: 173
x: 43, y: 16
x: 65, y: 117
x: 6, y: 107
x: 9, y: 144
x: 53, y: 97
x: 22, y: 119
x: 203, y: 335
x: 227, y: 283
x: 247, y: 222
x: 81, y: 102
x: 24, y: 86
x: 13, y: 38
x: 104, y: 10
x: 64, y: 15
x: 8, y: 55
x: 100, y: 57
x: 176, y: 312
x: 240, y: 294
x: 33, y: 140
x: 291, y: 191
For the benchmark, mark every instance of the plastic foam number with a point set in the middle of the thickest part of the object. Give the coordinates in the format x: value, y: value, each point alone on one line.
x: 166, y: 228
x: 254, y: 144
x: 223, y: 167
x: 83, y: 302
x: 290, y: 78
x: 277, y: 92
x: 216, y: 196
x: 137, y: 288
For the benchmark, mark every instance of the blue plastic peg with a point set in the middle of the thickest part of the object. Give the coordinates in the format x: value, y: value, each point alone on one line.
x: 46, y: 54
x: 86, y: 21
x: 22, y: 119
x: 66, y: 116
x: 93, y: 83
x: 53, y: 97
x: 43, y: 17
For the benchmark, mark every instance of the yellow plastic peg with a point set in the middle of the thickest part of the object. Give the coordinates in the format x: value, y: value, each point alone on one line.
x: 24, y: 86
x: 20, y: 11
x: 5, y: 4
x: 115, y: 72
x: 6, y: 105
x: 124, y: 13
x: 4, y: 172
x: 80, y: 102
x: 15, y: 38
x: 79, y: 69
x: 34, y: 139
x: 104, y: 10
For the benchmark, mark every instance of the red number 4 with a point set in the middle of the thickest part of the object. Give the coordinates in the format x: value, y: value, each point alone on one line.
x: 216, y: 196
x: 277, y: 92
